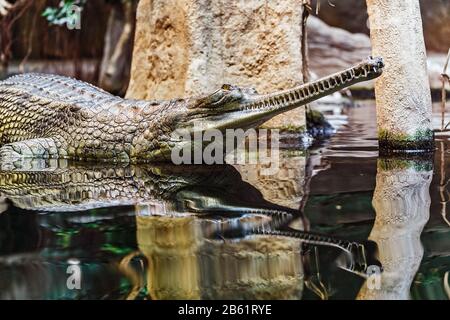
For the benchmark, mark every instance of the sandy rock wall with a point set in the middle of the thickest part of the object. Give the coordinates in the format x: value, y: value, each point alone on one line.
x: 192, y: 47
x: 160, y: 57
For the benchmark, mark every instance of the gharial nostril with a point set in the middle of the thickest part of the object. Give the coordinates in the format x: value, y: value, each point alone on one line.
x: 380, y: 63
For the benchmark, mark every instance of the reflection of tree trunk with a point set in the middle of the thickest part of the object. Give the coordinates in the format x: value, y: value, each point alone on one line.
x: 402, y: 204
x: 3, y: 71
x: 115, y: 67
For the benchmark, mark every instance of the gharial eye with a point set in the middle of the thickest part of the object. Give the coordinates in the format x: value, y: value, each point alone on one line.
x: 227, y: 87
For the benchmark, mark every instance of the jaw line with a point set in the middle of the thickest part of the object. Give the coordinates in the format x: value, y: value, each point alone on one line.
x: 234, y: 119
x: 253, y: 110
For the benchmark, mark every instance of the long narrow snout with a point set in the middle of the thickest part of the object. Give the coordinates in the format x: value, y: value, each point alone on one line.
x: 288, y: 99
x: 233, y: 107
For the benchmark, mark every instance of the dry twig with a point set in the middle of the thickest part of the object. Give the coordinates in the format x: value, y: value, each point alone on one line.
x: 6, y: 22
x: 445, y: 78
x: 4, y: 7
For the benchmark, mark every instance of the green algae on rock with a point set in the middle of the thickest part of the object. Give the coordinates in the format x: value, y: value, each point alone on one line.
x: 392, y: 143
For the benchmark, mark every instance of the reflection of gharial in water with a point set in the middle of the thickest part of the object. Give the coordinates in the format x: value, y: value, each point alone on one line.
x: 185, y: 216
x: 402, y: 205
x: 56, y: 185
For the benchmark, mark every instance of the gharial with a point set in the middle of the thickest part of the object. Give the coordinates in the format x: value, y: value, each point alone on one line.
x: 49, y: 116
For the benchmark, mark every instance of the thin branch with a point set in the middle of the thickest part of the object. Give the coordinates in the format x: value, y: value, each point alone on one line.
x: 444, y: 72
x: 4, y: 7
x: 445, y: 78
x: 30, y: 37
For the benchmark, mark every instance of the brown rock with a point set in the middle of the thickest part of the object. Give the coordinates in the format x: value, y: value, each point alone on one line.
x: 351, y: 15
x: 332, y: 49
x: 436, y: 17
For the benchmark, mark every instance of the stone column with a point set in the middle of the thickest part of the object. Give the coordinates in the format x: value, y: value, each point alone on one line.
x: 403, y: 91
x: 192, y: 47
x: 402, y: 204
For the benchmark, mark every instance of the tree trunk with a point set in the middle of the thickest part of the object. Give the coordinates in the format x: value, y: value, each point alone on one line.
x: 403, y: 92
x: 115, y: 67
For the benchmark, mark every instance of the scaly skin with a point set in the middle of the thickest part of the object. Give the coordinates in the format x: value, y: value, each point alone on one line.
x: 48, y: 116
x: 59, y: 185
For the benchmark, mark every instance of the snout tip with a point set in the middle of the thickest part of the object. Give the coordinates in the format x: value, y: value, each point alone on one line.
x: 377, y: 61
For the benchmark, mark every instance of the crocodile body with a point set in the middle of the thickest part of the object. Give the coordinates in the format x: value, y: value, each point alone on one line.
x: 73, y: 119
x: 48, y: 116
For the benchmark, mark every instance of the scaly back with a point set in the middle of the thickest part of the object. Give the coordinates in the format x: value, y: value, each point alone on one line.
x: 58, y: 89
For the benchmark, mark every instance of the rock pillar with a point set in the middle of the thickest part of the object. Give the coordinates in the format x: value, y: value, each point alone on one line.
x: 403, y: 91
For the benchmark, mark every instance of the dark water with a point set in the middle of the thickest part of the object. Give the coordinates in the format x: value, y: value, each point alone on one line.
x: 314, y: 230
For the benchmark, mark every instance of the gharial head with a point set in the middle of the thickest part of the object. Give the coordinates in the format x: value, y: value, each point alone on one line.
x: 223, y: 109
x: 232, y: 107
